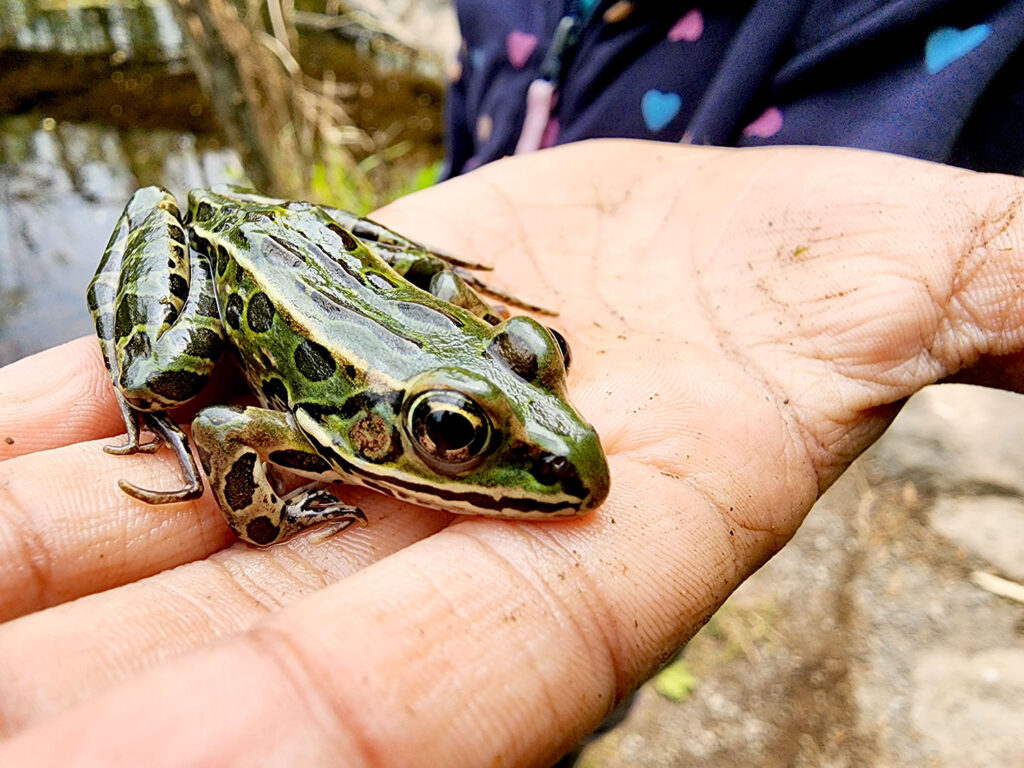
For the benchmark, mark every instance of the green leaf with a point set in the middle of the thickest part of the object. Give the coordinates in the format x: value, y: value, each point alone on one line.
x: 675, y: 682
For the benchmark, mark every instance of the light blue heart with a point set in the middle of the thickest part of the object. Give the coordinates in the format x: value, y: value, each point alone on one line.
x: 947, y: 44
x: 659, y: 108
x: 477, y: 59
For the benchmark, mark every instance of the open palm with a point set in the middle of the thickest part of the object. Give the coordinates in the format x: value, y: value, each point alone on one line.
x: 743, y: 324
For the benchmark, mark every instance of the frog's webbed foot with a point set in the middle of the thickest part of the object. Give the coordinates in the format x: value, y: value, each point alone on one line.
x: 305, y: 508
x: 166, y: 431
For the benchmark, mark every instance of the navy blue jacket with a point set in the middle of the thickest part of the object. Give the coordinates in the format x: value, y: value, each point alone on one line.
x: 936, y: 79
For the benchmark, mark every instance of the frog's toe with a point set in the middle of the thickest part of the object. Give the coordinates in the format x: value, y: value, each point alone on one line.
x: 134, y: 446
x: 192, y: 490
x: 330, y: 530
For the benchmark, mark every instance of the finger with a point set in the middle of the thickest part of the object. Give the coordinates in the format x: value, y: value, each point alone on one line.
x: 33, y: 685
x: 567, y: 616
x: 489, y: 642
x: 67, y: 529
x: 56, y: 397
x: 53, y: 659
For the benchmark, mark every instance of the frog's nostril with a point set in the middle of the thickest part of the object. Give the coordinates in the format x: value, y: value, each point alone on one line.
x: 552, y: 469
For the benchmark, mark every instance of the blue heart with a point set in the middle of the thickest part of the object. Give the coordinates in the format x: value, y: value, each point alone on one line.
x: 659, y: 108
x: 477, y: 59
x: 947, y: 44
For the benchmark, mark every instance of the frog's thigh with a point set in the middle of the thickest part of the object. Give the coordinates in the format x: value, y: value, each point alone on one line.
x: 154, y: 306
x: 233, y: 443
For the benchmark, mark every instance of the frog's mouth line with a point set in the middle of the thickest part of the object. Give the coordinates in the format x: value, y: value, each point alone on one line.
x: 470, y: 501
x: 441, y: 498
x: 477, y: 502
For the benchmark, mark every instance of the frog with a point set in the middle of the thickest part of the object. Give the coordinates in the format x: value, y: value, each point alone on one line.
x: 374, y: 360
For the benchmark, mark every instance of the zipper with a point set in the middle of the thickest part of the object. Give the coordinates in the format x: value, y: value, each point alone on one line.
x: 542, y: 94
x: 565, y: 40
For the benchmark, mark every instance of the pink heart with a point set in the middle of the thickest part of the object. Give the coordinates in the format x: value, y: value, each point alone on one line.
x: 689, y: 28
x: 767, y: 125
x: 519, y: 46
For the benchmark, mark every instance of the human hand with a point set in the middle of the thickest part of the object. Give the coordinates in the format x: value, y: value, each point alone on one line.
x: 743, y: 324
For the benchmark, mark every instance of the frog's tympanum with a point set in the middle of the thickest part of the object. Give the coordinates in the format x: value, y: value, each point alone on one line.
x: 373, y: 358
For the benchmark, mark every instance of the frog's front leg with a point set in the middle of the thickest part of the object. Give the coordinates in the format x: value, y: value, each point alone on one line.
x: 234, y: 442
x: 158, y: 326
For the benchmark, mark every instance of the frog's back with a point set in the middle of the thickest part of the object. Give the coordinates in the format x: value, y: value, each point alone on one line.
x: 306, y: 302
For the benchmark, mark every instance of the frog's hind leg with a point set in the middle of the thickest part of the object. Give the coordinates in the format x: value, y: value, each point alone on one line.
x: 159, y: 329
x: 234, y: 443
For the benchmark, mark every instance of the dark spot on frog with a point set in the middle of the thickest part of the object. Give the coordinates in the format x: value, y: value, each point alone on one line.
x: 314, y: 361
x: 348, y: 242
x: 138, y: 346
x: 350, y: 371
x: 105, y: 326
x: 261, y: 531
x: 177, y: 386
x: 9, y: 440
x: 206, y: 305
x: 275, y: 393
x: 300, y: 460
x: 239, y: 486
x: 130, y: 313
x: 177, y: 253
x: 260, y: 312
x: 171, y: 264
x: 220, y: 257
x: 176, y: 233
x: 179, y: 287
x: 233, y: 311
x: 205, y: 344
x: 203, y: 212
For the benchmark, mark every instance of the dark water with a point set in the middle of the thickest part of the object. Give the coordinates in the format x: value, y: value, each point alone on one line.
x: 62, y: 187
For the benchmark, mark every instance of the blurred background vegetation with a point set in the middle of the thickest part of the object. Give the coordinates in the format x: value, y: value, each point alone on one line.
x: 327, y: 100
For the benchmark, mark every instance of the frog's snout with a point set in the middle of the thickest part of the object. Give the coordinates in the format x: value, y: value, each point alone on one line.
x: 583, y: 474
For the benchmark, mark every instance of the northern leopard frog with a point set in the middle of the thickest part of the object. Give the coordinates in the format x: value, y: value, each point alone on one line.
x: 374, y: 360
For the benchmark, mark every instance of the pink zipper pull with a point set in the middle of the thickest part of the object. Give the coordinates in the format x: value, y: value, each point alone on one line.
x: 540, y: 101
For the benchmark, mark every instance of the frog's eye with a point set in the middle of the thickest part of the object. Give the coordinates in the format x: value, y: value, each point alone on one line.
x: 563, y: 345
x: 448, y: 429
